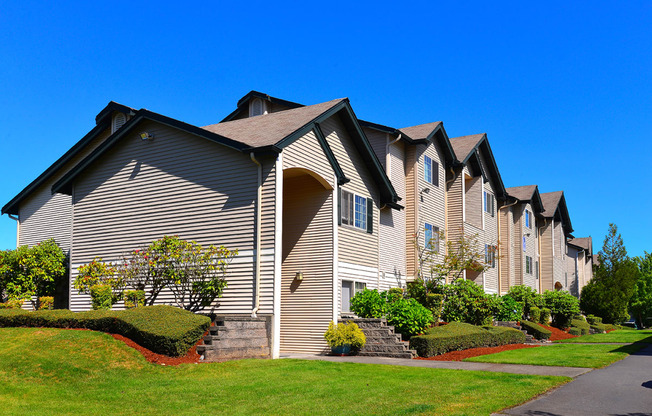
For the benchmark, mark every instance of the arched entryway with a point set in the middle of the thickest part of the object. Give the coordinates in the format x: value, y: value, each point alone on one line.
x: 307, y: 268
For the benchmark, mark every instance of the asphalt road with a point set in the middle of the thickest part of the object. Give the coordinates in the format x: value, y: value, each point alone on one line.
x: 621, y: 389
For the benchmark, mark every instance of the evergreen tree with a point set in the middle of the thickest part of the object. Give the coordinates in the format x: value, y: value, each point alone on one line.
x: 640, y: 305
x: 607, y: 295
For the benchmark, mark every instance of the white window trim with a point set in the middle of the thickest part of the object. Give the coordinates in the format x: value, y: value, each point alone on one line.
x: 350, y: 221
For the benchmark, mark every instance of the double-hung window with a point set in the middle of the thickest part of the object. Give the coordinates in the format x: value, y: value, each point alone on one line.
x: 528, y: 218
x: 430, y: 171
x: 489, y: 203
x: 490, y: 255
x: 528, y: 265
x: 431, y: 239
x: 356, y: 211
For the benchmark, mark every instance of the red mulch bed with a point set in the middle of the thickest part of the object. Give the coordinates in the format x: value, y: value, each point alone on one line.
x: 474, y: 352
x: 558, y: 334
x: 152, y: 357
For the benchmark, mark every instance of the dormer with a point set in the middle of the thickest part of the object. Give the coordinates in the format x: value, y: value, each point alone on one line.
x: 257, y: 107
x: 118, y: 120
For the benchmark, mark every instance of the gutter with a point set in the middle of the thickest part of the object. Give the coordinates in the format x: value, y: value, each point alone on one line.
x: 17, y: 219
x: 388, y: 156
x: 258, y: 227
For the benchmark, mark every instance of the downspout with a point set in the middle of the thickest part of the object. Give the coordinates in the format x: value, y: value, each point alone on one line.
x: 500, y: 267
x: 259, y: 199
x: 17, y: 229
x: 387, y: 155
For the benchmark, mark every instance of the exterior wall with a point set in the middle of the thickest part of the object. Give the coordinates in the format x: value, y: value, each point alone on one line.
x: 176, y: 184
x: 306, y: 153
x: 559, y: 257
x: 354, y: 246
x: 531, y: 249
x: 573, y: 258
x: 490, y: 237
x: 431, y: 206
x: 473, y: 201
x: 545, y: 256
x: 44, y: 215
x: 411, y: 210
x: 455, y: 206
x: 307, y: 305
x: 506, y: 248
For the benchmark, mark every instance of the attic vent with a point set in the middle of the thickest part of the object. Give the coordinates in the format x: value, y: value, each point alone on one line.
x: 118, y: 121
x: 257, y: 107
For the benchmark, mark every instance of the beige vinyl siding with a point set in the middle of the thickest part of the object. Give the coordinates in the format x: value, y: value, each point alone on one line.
x: 378, y: 141
x: 572, y: 260
x: 355, y: 246
x: 545, y: 258
x: 473, y: 201
x: 44, y: 215
x: 506, y: 249
x: 306, y: 306
x: 411, y: 217
x: 531, y: 248
x: 559, y: 259
x: 176, y: 184
x: 490, y: 238
x: 431, y: 205
x: 519, y: 255
x: 455, y: 207
x: 391, y: 229
x: 306, y: 153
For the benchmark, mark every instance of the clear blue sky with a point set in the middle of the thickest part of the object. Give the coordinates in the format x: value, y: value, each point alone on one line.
x: 563, y: 90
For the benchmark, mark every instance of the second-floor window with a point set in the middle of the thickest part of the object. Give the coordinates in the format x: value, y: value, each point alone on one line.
x: 430, y: 171
x: 354, y: 210
x: 489, y: 203
x: 490, y: 255
x: 528, y: 218
x: 528, y: 265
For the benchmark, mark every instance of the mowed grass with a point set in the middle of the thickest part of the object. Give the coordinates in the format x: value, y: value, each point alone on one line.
x: 620, y: 335
x: 564, y: 355
x: 53, y: 371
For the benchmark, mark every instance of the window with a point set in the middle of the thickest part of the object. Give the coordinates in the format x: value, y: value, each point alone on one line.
x: 356, y: 211
x: 528, y: 219
x: 349, y: 289
x: 431, y: 237
x: 490, y: 255
x: 430, y: 171
x: 524, y: 246
x: 536, y: 269
x: 528, y: 264
x: 489, y: 203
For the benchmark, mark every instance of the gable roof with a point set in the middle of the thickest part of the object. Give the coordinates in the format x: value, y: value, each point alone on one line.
x: 527, y: 193
x: 243, y: 103
x: 102, y: 122
x: 585, y: 243
x: 432, y: 132
x: 468, y: 149
x: 269, y: 129
x: 554, y: 206
x: 278, y: 130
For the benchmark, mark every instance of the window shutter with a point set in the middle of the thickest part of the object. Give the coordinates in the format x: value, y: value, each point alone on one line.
x: 435, y: 173
x: 339, y: 206
x: 370, y: 215
x: 493, y: 205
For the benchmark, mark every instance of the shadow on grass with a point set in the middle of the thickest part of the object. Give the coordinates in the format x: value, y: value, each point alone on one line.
x: 637, y: 348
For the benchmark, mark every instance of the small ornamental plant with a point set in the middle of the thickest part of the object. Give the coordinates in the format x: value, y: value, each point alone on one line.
x: 344, y: 334
x: 98, y: 279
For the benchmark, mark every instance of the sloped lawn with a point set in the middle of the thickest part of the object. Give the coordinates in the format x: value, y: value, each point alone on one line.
x: 620, y: 335
x: 564, y: 355
x: 53, y: 371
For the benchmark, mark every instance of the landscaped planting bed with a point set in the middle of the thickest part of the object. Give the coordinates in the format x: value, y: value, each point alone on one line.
x: 460, y: 336
x: 162, y: 329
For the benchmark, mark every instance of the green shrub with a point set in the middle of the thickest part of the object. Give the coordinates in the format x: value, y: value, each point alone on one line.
x: 134, y: 298
x: 369, y: 303
x: 101, y: 297
x: 459, y: 336
x: 526, y: 296
x: 592, y: 319
x: 12, y: 304
x: 508, y: 309
x: 575, y: 331
x: 545, y: 316
x: 535, y: 314
x: 162, y: 329
x: 45, y: 302
x: 394, y: 293
x: 344, y: 334
x: 465, y: 301
x: 611, y: 327
x: 408, y: 316
x: 427, y: 294
x: 599, y: 328
x: 536, y: 330
x: 580, y: 324
x: 563, y: 306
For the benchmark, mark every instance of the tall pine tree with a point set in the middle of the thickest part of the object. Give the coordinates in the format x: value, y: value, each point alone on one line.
x: 607, y: 295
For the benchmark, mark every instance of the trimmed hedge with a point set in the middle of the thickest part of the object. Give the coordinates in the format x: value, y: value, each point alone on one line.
x: 535, y: 314
x: 162, y: 329
x: 575, y: 331
x: 592, y: 319
x: 536, y: 330
x: 459, y: 336
x: 545, y: 316
x: 580, y: 324
x: 599, y: 328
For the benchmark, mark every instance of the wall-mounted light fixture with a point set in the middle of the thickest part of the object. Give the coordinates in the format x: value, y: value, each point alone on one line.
x: 298, y: 277
x: 424, y: 191
x: 146, y: 136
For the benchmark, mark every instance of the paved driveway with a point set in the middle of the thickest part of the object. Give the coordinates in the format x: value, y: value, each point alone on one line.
x: 623, y: 389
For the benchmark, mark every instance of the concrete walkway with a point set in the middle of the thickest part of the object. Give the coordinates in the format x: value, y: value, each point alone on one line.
x: 621, y: 389
x: 453, y: 365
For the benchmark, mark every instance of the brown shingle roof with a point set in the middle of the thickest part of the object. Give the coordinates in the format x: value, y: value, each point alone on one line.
x: 523, y: 193
x: 463, y: 145
x: 583, y: 242
x: 271, y: 128
x: 421, y: 131
x: 550, y: 202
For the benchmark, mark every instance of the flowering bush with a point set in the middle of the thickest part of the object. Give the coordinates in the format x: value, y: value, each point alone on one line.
x: 99, y: 278
x: 345, y: 334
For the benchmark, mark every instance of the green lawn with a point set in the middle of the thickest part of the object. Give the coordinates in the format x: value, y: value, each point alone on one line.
x: 620, y: 335
x: 53, y: 371
x: 564, y: 355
